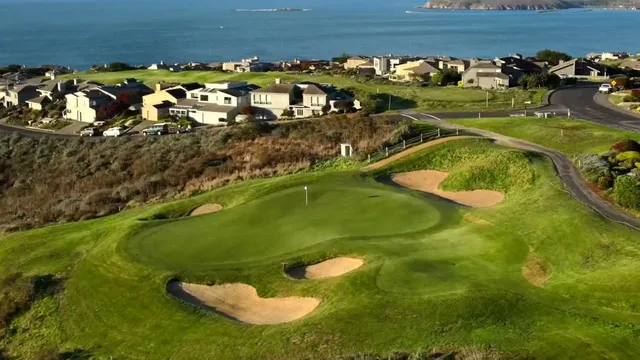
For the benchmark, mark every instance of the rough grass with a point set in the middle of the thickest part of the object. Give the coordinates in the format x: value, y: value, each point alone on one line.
x: 473, y: 164
x: 425, y: 98
x: 568, y: 136
x: 451, y: 285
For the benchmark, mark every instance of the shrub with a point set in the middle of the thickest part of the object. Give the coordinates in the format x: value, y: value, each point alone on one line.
x: 624, y: 145
x: 628, y: 155
x: 630, y: 98
x: 626, y: 192
x: 593, y: 166
x: 605, y: 182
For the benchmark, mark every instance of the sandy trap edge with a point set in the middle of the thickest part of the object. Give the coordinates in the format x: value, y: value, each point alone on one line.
x: 326, y: 269
x: 240, y: 302
x: 429, y: 181
x: 206, y: 209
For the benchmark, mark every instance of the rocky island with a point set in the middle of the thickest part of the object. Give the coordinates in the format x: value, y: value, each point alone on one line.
x: 500, y: 4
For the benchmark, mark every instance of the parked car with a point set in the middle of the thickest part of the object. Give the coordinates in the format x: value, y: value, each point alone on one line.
x: 157, y: 129
x: 90, y: 131
x: 605, y: 89
x: 114, y: 131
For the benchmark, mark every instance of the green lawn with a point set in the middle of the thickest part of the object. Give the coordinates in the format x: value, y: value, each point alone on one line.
x: 572, y: 137
x: 432, y: 278
x: 426, y: 98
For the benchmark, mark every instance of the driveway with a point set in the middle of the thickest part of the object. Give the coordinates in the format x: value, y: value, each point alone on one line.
x: 568, y: 173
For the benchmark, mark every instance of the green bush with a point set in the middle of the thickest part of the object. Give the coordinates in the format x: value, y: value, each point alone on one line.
x: 624, y: 145
x: 628, y: 155
x: 626, y: 192
x: 605, y: 182
x: 630, y: 98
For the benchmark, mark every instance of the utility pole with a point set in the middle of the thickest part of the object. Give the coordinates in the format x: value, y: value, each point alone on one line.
x: 389, y: 102
x: 487, y: 99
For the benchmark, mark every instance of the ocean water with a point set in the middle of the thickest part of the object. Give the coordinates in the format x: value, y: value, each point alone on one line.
x: 80, y: 33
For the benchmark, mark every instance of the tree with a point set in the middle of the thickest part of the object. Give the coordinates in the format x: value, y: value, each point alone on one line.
x: 342, y: 58
x: 536, y: 81
x: 287, y: 113
x: 445, y: 77
x: 326, y: 108
x: 344, y: 105
x: 552, y: 57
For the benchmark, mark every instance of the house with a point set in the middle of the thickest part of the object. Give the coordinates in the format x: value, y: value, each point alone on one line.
x: 304, y: 100
x: 50, y: 91
x: 84, y: 103
x: 458, y: 64
x: 155, y: 106
x: 160, y: 66
x: 215, y: 103
x: 247, y: 65
x: 518, y: 63
x: 19, y: 94
x: 414, y: 70
x: 305, y: 65
x: 487, y: 75
x: 356, y: 61
x: 614, y: 55
x: 578, y: 68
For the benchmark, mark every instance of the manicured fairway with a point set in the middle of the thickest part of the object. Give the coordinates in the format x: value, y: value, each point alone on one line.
x: 436, y: 275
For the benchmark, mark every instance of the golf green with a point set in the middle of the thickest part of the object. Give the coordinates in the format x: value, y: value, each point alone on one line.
x: 282, y: 222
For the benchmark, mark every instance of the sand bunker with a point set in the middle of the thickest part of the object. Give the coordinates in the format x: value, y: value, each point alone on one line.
x: 429, y: 181
x: 206, y: 209
x: 326, y: 269
x: 241, y: 302
x: 535, y: 271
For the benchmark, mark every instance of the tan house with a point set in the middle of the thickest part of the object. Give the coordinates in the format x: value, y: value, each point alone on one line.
x: 578, y: 68
x: 487, y: 75
x: 355, y: 62
x: 49, y: 92
x: 19, y: 94
x: 412, y: 71
x: 156, y: 106
x: 303, y: 100
x: 216, y: 103
x: 459, y: 65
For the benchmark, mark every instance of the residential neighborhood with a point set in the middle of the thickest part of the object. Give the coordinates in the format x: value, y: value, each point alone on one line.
x: 58, y: 94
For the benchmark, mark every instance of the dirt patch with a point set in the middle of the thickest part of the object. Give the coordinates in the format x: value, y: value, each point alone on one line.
x: 429, y: 181
x: 206, y: 209
x: 414, y: 149
x: 241, y: 302
x: 535, y: 271
x: 326, y: 269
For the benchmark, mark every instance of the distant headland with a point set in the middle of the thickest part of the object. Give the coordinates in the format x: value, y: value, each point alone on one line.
x: 530, y: 4
x: 272, y: 10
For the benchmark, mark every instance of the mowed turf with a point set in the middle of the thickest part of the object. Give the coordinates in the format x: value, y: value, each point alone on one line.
x: 436, y: 275
x: 282, y: 222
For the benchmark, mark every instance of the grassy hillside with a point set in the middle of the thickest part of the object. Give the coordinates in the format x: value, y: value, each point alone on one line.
x: 568, y: 136
x: 402, y: 96
x: 437, y: 275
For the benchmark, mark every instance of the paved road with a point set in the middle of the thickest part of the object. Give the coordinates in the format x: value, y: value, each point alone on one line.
x: 568, y: 173
x: 585, y: 103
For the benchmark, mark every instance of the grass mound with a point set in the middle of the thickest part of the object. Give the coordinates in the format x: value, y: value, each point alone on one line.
x: 473, y: 164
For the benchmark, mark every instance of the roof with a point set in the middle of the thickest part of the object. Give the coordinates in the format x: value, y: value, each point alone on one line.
x: 314, y: 90
x: 459, y: 62
x: 356, y: 58
x: 163, y: 105
x: 187, y: 102
x: 177, y: 93
x: 95, y: 94
x: 39, y: 100
x: 191, y: 86
x: 523, y: 65
x: 492, y: 75
x: 214, y: 107
x: 276, y: 89
x: 22, y: 88
x: 485, y: 65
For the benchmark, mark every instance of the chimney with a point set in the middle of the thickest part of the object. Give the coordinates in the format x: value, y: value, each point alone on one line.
x: 76, y: 81
x: 53, y: 75
x: 278, y: 81
x: 61, y: 86
x: 158, y: 86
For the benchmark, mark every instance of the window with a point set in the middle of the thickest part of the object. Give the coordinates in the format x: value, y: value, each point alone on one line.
x: 204, y: 97
x: 300, y: 112
x: 194, y: 95
x: 227, y: 100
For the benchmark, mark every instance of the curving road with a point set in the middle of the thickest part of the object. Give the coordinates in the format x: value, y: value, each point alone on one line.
x: 568, y: 173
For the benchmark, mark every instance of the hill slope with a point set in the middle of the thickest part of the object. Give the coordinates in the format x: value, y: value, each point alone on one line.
x: 500, y: 4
